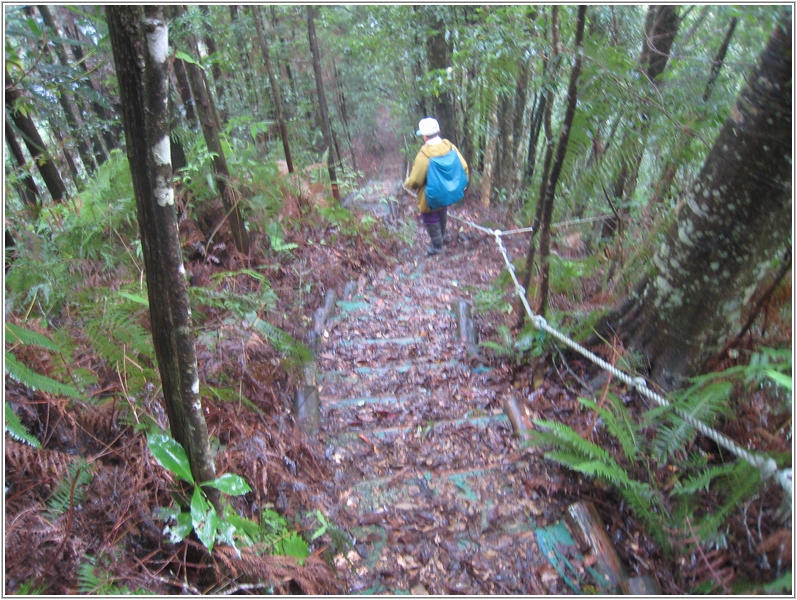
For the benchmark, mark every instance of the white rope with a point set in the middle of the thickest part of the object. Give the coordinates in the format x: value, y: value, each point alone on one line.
x: 766, y: 465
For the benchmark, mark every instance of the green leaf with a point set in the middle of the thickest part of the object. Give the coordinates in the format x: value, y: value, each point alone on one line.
x: 295, y: 546
x: 17, y: 430
x: 177, y: 533
x: 231, y: 484
x: 185, y: 57
x: 782, y: 380
x: 170, y: 455
x: 204, y: 519
x: 135, y: 298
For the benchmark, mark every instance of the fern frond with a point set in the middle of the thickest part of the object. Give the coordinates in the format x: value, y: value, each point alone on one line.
x: 284, y: 343
x: 645, y: 502
x: 570, y: 440
x: 29, y: 338
x: 64, y: 495
x: 742, y: 482
x: 17, y: 430
x: 609, y: 472
x: 619, y: 423
x: 701, y: 481
x: 36, y: 381
x: 703, y: 405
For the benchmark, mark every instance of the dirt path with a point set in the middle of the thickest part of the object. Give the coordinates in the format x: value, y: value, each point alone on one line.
x: 442, y: 498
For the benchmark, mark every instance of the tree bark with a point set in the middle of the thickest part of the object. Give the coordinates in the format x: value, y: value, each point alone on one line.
x: 139, y: 39
x: 38, y: 151
x: 489, y: 153
x: 322, y: 103
x: 275, y: 91
x: 218, y: 75
x: 735, y: 217
x: 184, y: 89
x: 556, y: 169
x: 209, y: 124
x: 29, y: 193
x: 438, y: 52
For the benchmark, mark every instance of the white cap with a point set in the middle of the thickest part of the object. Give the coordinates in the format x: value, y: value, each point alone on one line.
x: 428, y: 127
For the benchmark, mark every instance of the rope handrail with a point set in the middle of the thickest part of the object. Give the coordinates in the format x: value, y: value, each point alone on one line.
x: 765, y: 464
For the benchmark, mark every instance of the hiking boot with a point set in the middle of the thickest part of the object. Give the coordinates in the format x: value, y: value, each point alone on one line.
x: 443, y: 220
x: 436, y: 235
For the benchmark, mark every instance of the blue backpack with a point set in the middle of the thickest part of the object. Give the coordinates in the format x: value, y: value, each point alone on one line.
x: 445, y: 180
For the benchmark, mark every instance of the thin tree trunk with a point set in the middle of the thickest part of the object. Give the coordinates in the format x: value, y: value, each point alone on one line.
x: 33, y: 141
x: 322, y: 103
x: 184, y: 89
x: 439, y: 57
x: 275, y: 91
x: 716, y: 64
x: 547, y: 105
x: 28, y: 190
x: 218, y: 76
x: 556, y: 169
x: 344, y: 117
x: 67, y: 155
x: 140, y: 50
x: 209, y: 124
x: 492, y: 141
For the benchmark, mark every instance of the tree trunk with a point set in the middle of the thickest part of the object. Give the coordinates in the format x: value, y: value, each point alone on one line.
x: 322, y: 103
x: 29, y: 193
x: 38, y: 151
x: 218, y: 76
x: 735, y: 217
x: 184, y: 89
x: 716, y: 64
x: 438, y: 51
x: 139, y: 39
x: 208, y: 121
x: 489, y: 154
x: 344, y: 115
x: 561, y: 150
x: 275, y: 91
x: 65, y: 153
x: 546, y: 104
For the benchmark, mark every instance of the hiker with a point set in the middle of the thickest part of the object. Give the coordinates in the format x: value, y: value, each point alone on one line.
x: 444, y: 180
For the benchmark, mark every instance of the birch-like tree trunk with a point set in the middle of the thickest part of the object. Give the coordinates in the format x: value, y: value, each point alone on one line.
x: 139, y: 39
x: 735, y: 218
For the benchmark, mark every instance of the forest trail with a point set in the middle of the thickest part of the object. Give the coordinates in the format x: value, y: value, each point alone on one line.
x: 444, y: 498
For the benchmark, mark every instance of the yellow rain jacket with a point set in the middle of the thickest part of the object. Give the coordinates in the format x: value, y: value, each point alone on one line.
x: 417, y: 178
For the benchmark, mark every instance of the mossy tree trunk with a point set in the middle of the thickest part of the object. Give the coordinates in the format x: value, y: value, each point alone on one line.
x: 733, y: 221
x: 139, y: 39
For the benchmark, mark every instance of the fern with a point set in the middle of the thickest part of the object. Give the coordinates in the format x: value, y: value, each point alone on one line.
x: 36, y: 381
x: 71, y: 490
x: 17, y: 430
x: 703, y: 403
x: 285, y: 344
x: 90, y: 582
x: 701, y: 481
x: 30, y: 338
x: 619, y: 424
x: 561, y: 435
